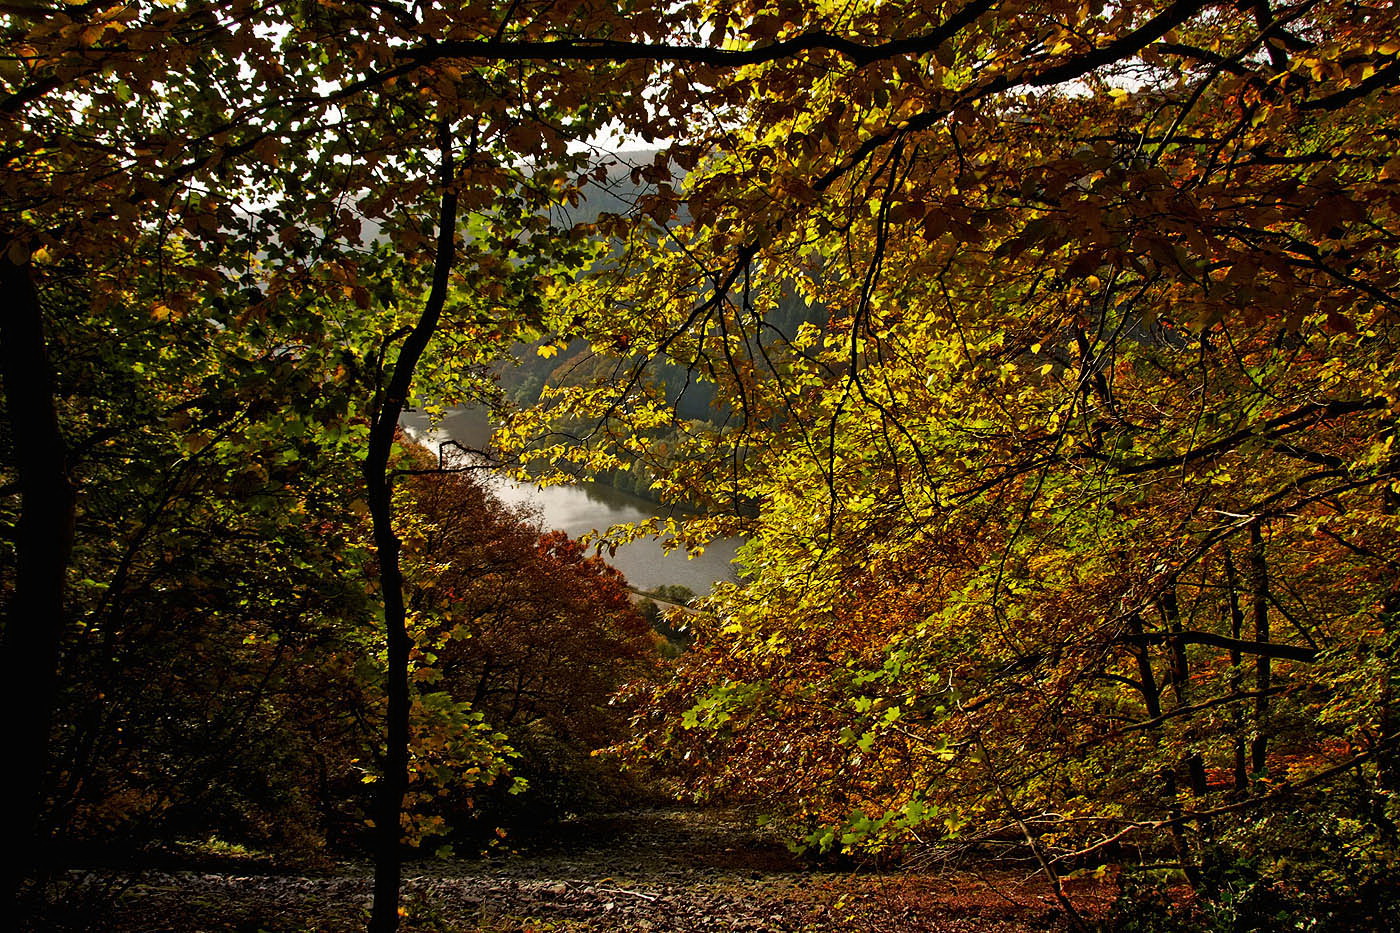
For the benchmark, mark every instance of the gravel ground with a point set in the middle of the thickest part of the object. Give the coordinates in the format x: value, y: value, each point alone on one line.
x: 672, y: 871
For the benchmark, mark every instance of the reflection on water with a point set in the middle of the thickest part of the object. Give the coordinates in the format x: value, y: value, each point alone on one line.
x: 586, y: 508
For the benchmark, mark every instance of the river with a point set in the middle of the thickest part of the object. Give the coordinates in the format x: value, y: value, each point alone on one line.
x: 586, y: 507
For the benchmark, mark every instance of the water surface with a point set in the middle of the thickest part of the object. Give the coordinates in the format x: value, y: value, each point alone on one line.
x: 585, y: 508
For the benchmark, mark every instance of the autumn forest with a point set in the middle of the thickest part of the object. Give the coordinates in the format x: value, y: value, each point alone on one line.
x: 1041, y: 359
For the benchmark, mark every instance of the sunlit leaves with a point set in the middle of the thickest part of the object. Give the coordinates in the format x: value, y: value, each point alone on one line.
x: 1080, y: 314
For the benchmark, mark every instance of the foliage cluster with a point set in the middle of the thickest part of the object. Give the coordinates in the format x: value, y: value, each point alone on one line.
x: 1071, y: 490
x: 535, y: 636
x: 221, y: 673
x: 1072, y: 525
x: 286, y: 184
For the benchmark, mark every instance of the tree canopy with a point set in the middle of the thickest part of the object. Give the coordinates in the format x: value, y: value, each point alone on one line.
x: 1050, y: 350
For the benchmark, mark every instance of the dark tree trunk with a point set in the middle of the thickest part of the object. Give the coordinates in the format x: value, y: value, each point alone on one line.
x: 1147, y: 683
x: 1237, y: 675
x: 1180, y: 671
x: 1181, y: 689
x: 1263, y: 672
x: 1388, y: 751
x: 393, y: 785
x: 1152, y: 699
x: 34, y: 619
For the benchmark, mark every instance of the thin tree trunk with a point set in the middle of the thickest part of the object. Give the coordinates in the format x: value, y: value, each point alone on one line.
x: 1147, y: 683
x: 1263, y: 672
x: 1047, y: 867
x: 393, y: 785
x: 34, y: 619
x: 1152, y: 699
x: 1236, y: 674
x: 1180, y: 672
x: 1388, y: 755
x: 1181, y: 691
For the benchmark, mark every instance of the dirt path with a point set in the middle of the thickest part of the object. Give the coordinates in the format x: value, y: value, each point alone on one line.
x: 672, y: 871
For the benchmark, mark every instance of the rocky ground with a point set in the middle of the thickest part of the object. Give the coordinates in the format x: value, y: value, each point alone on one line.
x: 655, y: 872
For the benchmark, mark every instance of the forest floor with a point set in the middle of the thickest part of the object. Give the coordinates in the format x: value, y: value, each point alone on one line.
x: 667, y: 871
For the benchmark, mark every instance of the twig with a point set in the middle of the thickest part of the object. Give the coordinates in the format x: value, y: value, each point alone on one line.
x: 642, y: 894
